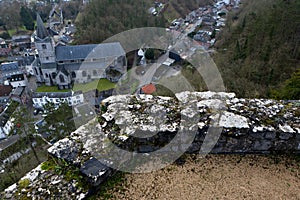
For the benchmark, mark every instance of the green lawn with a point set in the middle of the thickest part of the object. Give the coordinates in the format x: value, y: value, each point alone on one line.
x: 45, y: 88
x: 101, y: 85
x: 12, y: 32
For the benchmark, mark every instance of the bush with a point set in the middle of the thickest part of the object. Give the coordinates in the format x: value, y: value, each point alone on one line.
x: 24, y: 183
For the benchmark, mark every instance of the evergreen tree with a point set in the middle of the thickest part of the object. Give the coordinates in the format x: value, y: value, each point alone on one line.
x: 27, y: 19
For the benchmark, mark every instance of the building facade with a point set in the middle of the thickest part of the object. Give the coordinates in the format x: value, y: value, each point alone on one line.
x: 40, y: 99
x: 63, y: 65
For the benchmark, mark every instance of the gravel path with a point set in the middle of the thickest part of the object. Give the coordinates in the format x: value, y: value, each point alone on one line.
x: 217, y: 177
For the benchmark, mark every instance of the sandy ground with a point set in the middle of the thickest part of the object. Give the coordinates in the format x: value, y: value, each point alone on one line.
x: 217, y: 177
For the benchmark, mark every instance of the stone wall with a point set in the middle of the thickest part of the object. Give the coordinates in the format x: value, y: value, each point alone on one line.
x: 145, y: 124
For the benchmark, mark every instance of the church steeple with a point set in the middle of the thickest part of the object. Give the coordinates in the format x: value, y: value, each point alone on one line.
x: 41, y: 31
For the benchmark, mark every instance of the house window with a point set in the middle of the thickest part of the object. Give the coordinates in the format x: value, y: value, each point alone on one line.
x: 44, y: 46
x: 47, y: 58
x: 61, y: 78
x: 95, y: 72
x: 83, y: 73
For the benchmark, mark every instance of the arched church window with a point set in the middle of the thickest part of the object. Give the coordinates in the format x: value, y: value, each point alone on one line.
x: 36, y: 71
x: 73, y: 74
x: 95, y: 72
x: 61, y: 78
x: 41, y: 72
x: 53, y: 75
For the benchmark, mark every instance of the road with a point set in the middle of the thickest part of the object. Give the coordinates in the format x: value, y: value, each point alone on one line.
x: 151, y: 69
x: 8, y: 142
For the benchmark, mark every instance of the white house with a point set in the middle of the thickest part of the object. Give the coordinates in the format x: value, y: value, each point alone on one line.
x: 42, y: 98
x: 18, y: 80
x: 6, y: 123
x: 5, y: 127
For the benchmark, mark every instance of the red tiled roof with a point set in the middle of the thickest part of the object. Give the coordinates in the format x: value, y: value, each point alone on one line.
x: 149, y: 89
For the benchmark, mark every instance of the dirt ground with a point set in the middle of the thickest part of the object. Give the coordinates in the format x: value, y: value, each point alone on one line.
x: 216, y: 177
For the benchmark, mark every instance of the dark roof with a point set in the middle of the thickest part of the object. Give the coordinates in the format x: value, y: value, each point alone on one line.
x: 90, y: 51
x: 48, y: 65
x: 18, y: 91
x: 64, y: 71
x: 52, y: 32
x: 3, y: 119
x: 9, y: 66
x: 5, y: 90
x: 28, y: 60
x: 65, y: 38
x: 41, y: 31
x: 86, y: 65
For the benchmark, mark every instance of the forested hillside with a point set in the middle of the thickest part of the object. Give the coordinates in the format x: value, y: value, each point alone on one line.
x: 103, y: 18
x: 259, y: 49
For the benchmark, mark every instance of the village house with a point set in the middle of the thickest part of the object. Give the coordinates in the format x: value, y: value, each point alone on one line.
x: 4, y: 50
x: 19, y: 95
x: 6, y: 121
x: 5, y: 91
x: 8, y: 70
x: 21, y: 41
x: 40, y: 99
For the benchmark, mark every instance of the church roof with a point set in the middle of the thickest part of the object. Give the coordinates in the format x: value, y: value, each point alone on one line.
x: 89, y: 51
x: 41, y: 31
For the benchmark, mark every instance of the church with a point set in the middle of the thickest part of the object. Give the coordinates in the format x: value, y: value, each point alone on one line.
x: 64, y: 65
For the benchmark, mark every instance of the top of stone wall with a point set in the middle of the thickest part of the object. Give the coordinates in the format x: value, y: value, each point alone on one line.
x: 258, y: 124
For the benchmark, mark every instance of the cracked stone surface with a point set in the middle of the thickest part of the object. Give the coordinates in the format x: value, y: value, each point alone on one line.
x: 146, y: 123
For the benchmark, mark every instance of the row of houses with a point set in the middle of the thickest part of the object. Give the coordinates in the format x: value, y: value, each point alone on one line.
x: 6, y: 119
x: 206, y: 21
x: 40, y: 99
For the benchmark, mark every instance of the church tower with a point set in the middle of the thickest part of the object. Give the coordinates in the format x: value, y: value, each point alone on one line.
x: 46, y: 70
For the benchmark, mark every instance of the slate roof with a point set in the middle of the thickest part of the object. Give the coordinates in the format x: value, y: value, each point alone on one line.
x: 64, y: 71
x: 41, y: 31
x: 78, y: 52
x: 18, y: 91
x: 9, y: 66
x: 3, y: 119
x: 86, y: 66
